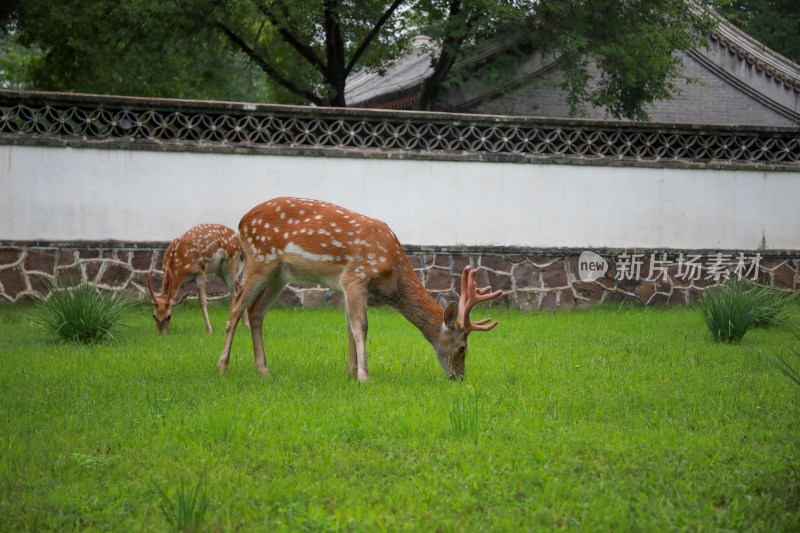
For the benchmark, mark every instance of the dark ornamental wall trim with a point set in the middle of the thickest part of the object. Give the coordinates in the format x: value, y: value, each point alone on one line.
x: 56, y: 119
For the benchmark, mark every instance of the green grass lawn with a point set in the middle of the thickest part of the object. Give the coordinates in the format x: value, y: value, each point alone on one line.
x: 606, y: 419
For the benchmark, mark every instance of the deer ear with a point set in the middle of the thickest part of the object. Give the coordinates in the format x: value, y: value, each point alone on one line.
x: 442, y: 301
x: 450, y: 316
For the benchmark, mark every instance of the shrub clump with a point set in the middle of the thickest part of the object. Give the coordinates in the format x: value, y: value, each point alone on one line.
x: 82, y: 314
x: 730, y: 310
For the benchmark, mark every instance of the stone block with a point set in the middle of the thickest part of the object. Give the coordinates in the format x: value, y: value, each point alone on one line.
x: 498, y: 282
x: 415, y: 262
x: 13, y: 281
x: 549, y: 301
x: 589, y: 290
x: 333, y: 299
x: 69, y: 276
x: 40, y: 261
x: 555, y: 275
x: 646, y: 290
x: 442, y: 260
x: 66, y: 257
x: 526, y: 276
x: 92, y: 268
x: 313, y: 297
x: 528, y: 300
x: 142, y: 260
x: 678, y: 297
x: 784, y: 277
x: 439, y: 279
x: 116, y: 275
x: 460, y: 262
x: 289, y: 297
x: 10, y: 256
x: 40, y: 283
x: 496, y: 263
x: 215, y: 288
x: 658, y: 299
x: 566, y: 299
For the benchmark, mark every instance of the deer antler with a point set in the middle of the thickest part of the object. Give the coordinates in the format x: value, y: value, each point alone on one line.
x: 471, y: 295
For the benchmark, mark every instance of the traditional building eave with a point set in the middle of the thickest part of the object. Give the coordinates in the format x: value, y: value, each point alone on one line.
x: 762, y: 74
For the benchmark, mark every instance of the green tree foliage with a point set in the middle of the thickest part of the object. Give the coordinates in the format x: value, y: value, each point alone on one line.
x: 775, y: 23
x: 304, y: 50
x: 133, y: 47
x: 630, y: 43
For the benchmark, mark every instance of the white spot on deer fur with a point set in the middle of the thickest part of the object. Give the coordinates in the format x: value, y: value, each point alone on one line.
x: 286, y: 235
x: 318, y: 217
x: 283, y: 215
x: 266, y: 225
x: 292, y: 248
x: 383, y: 259
x: 337, y: 243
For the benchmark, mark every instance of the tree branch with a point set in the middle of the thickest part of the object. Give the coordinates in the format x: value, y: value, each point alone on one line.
x: 304, y: 50
x: 452, y: 42
x: 372, y: 34
x: 268, y: 68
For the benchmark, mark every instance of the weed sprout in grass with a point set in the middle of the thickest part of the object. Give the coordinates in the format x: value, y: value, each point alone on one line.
x: 185, y: 510
x: 83, y: 313
x: 465, y: 415
x: 730, y: 310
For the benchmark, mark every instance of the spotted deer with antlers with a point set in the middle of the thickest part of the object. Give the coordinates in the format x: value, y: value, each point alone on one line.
x: 207, y: 249
x: 288, y: 239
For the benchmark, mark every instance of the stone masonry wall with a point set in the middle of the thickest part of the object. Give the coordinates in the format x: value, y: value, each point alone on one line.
x: 529, y: 278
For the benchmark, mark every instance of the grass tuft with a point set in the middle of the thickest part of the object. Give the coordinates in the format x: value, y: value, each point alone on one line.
x: 465, y: 415
x: 729, y: 311
x: 82, y: 314
x: 186, y: 509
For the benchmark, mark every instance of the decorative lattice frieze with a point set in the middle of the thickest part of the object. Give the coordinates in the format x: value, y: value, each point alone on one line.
x: 28, y: 117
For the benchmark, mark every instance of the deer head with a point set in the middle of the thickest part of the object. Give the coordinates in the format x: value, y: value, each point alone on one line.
x: 163, y: 304
x: 451, y: 347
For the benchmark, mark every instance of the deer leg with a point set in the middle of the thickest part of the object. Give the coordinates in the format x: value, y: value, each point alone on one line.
x: 201, y: 297
x: 352, y: 357
x: 356, y: 304
x: 248, y: 292
x: 257, y: 311
x: 228, y: 276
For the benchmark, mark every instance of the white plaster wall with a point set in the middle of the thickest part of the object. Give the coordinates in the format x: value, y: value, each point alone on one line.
x: 94, y: 194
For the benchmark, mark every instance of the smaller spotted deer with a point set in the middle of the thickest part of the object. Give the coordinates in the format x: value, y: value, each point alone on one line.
x: 288, y: 239
x: 203, y: 250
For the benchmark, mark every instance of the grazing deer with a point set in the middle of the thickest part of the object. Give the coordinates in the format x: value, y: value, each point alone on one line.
x: 204, y: 249
x: 288, y: 239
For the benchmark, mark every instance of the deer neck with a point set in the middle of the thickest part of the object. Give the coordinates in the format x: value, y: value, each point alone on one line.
x: 416, y: 304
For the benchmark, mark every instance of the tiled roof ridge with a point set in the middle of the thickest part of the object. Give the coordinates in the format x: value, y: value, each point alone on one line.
x: 752, y: 51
